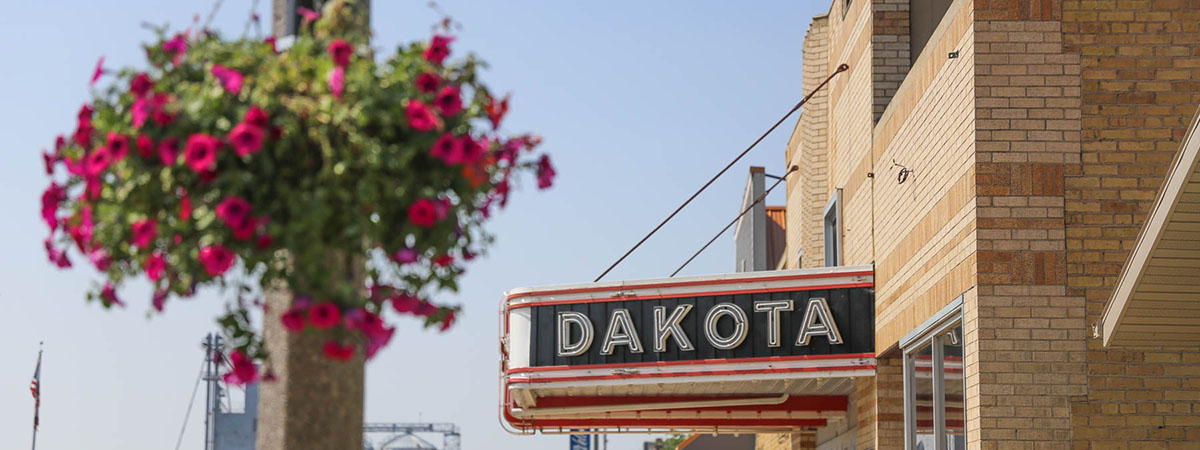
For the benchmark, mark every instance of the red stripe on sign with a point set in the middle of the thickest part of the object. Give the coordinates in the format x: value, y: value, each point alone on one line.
x: 543, y: 424
x: 793, y: 403
x: 692, y: 374
x: 691, y: 294
x: 767, y: 359
x: 691, y: 283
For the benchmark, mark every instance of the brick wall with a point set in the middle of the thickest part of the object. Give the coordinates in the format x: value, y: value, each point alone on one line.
x: 1140, y: 84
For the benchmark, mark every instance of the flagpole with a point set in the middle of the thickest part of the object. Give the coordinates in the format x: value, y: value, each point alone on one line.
x: 38, y: 397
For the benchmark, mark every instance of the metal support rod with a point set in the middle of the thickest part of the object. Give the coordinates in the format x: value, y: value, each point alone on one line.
x: 840, y: 69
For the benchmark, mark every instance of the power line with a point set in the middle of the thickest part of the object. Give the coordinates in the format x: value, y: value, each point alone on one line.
x: 840, y: 69
x: 735, y: 219
x: 190, y: 402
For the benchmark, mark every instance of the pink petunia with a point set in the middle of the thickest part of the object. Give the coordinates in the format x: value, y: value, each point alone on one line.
x: 448, y: 149
x: 144, y: 232
x: 545, y: 172
x: 338, y: 351
x: 145, y: 146
x: 216, y: 259
x: 234, y: 211
x: 270, y: 40
x: 439, y: 49
x: 406, y: 255
x: 118, y: 145
x: 159, y: 299
x: 200, y: 153
x: 497, y: 110
x: 82, y: 233
x: 97, y: 72
x: 340, y: 51
x: 141, y: 84
x: 246, y: 139
x: 51, y: 198
x: 405, y: 303
x: 49, y: 159
x: 256, y: 116
x: 376, y: 333
x: 422, y: 213
x: 177, y: 45
x: 242, y: 370
x: 230, y: 79
x: 158, y: 109
x: 294, y: 319
x: 473, y: 150
x: 185, y: 208
x: 443, y: 260
x: 308, y: 15
x: 139, y: 112
x: 420, y: 117
x: 97, y: 161
x: 428, y: 82
x: 324, y: 315
x: 264, y: 242
x: 155, y: 264
x: 337, y: 81
x: 424, y: 309
x: 108, y: 296
x: 168, y: 151
x: 56, y: 256
x: 448, y: 101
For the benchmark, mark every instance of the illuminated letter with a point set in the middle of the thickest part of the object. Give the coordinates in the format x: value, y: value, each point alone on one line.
x: 818, y: 309
x: 772, y: 308
x: 621, y: 332
x: 739, y: 326
x: 665, y: 327
x: 565, y: 346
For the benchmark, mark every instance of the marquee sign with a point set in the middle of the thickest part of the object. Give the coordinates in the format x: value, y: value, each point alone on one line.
x: 684, y: 337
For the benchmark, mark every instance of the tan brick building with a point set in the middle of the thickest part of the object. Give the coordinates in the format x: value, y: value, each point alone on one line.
x: 995, y: 160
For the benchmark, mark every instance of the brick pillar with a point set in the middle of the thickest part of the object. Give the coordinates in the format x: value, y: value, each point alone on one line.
x: 890, y: 47
x: 810, y: 191
x: 315, y: 403
x: 1024, y: 333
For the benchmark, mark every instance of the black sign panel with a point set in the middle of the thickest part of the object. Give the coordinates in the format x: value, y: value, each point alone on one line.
x: 558, y: 336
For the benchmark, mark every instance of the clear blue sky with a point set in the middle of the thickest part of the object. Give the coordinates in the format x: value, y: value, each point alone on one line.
x: 639, y: 103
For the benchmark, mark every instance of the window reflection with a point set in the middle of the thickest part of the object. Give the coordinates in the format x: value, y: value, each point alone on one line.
x: 952, y: 376
x: 922, y: 365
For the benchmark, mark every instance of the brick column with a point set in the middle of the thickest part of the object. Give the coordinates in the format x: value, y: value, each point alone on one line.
x: 890, y: 47
x: 1025, y: 335
x: 316, y: 403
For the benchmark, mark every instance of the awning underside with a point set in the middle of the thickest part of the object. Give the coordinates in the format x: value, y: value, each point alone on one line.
x: 1156, y: 302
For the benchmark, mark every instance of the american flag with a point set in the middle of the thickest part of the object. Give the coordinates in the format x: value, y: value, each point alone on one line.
x: 36, y: 388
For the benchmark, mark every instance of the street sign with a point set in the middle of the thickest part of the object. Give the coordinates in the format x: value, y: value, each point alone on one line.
x: 581, y: 442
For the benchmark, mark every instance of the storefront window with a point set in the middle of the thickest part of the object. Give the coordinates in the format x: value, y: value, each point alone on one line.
x: 934, y: 413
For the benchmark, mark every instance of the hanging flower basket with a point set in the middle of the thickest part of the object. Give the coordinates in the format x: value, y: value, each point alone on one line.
x: 238, y: 165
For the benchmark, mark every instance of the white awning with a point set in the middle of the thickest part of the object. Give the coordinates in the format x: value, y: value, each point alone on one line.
x: 1156, y: 302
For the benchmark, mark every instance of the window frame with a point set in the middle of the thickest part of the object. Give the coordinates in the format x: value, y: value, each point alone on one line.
x: 930, y: 332
x: 834, y: 207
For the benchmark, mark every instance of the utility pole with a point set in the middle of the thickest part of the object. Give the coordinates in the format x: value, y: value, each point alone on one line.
x: 212, y: 389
